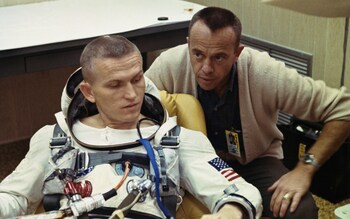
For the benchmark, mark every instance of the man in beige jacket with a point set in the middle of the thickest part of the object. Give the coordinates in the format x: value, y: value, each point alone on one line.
x: 242, y: 91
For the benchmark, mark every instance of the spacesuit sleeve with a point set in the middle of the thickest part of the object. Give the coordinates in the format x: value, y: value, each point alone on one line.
x: 21, y: 191
x: 210, y: 179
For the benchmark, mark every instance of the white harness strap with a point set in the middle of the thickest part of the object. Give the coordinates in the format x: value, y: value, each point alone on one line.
x: 166, y: 127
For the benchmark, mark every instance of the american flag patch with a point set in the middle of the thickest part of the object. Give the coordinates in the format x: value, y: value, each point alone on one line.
x: 224, y: 169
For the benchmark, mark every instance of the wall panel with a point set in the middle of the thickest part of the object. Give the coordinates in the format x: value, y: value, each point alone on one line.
x: 320, y: 47
x: 29, y: 101
x: 334, y: 52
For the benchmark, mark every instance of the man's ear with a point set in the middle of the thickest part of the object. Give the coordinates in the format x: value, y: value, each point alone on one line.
x: 86, y: 90
x: 238, y: 51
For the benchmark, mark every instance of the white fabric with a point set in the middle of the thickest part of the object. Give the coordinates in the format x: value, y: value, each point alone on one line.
x: 109, y: 136
x: 25, y: 185
x: 168, y: 125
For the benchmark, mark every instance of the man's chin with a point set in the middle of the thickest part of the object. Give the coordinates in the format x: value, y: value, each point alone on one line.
x: 206, y: 87
x: 132, y: 116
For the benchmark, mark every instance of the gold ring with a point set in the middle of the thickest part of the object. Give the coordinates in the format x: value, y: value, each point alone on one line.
x: 286, y: 196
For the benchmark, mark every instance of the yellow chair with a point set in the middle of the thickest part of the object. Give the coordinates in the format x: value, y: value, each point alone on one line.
x: 190, y: 115
x: 187, y: 109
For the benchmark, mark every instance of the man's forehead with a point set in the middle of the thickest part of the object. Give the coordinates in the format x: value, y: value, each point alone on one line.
x: 202, y: 38
x: 214, y: 47
x: 129, y: 61
x: 126, y: 62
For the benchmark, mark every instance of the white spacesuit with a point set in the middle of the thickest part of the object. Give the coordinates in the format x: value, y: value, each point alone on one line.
x: 104, y: 169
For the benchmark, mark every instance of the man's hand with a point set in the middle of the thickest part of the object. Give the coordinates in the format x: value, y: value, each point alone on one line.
x: 289, y: 189
x: 228, y: 211
x: 297, y: 182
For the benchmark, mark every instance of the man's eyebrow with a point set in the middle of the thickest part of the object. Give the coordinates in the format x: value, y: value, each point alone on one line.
x: 196, y: 50
x: 220, y: 54
x: 112, y: 81
x: 139, y: 73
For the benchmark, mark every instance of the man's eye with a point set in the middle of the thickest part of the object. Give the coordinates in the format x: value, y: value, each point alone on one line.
x: 137, y: 79
x: 113, y: 85
x: 198, y: 55
x: 219, y: 58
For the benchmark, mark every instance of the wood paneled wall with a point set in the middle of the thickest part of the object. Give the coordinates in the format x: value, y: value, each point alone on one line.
x: 29, y: 101
x: 322, y: 37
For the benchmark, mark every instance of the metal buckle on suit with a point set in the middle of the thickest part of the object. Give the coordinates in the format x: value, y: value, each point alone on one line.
x: 82, y: 161
x: 170, y: 141
x: 59, y: 141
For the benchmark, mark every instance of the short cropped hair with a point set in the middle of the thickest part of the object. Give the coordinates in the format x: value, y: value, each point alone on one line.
x: 216, y: 18
x: 105, y: 47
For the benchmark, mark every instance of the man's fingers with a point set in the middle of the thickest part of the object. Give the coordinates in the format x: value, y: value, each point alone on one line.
x: 285, y: 202
x: 295, y: 202
x: 280, y: 203
x: 273, y: 187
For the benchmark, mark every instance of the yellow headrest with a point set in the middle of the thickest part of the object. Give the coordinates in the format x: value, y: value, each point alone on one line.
x: 187, y: 108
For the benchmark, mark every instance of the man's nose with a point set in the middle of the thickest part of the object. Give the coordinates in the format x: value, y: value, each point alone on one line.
x: 207, y: 66
x: 130, y: 92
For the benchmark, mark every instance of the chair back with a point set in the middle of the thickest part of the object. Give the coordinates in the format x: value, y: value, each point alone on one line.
x: 187, y: 108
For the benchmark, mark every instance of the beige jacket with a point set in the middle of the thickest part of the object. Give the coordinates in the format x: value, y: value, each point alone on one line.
x: 266, y: 86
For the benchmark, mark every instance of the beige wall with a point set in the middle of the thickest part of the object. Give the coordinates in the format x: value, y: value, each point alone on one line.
x: 322, y: 37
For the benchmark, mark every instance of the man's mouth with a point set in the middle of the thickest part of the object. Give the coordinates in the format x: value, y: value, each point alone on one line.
x: 132, y: 105
x: 206, y: 79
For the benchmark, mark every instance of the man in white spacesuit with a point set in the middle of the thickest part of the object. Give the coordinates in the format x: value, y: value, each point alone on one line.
x: 114, y: 151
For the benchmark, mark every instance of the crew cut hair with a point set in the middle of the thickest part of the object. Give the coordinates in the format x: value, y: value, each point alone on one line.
x: 216, y: 18
x: 105, y: 47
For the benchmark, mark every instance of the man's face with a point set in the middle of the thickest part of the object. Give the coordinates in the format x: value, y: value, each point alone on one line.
x: 117, y: 87
x: 212, y: 56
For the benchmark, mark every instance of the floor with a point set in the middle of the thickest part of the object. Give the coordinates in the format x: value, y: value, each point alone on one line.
x: 11, y: 154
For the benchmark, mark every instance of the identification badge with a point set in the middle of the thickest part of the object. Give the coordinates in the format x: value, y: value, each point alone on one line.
x: 233, y: 143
